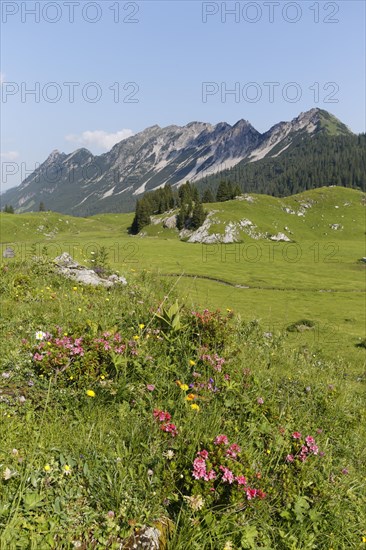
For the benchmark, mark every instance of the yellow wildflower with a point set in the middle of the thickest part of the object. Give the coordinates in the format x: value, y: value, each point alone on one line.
x: 90, y: 393
x: 191, y: 396
x: 74, y: 287
x: 47, y: 468
x: 192, y: 363
x: 67, y: 469
x: 136, y: 337
x: 195, y: 407
x: 141, y: 326
x: 183, y: 387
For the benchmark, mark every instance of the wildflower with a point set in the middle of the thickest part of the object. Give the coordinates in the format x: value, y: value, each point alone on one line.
x: 47, y: 468
x: 228, y: 545
x: 8, y: 474
x: 195, y: 407
x: 203, y: 454
x: 199, y: 468
x: 74, y: 287
x: 251, y: 493
x: 210, y: 476
x: 141, y: 326
x: 110, y: 514
x: 184, y: 387
x: 364, y: 539
x: 150, y: 473
x: 169, y: 428
x: 221, y: 440
x: 169, y: 454
x: 136, y: 337
x: 228, y: 475
x: 40, y: 335
x: 241, y: 480
x: 196, y: 502
x: 150, y: 387
x: 162, y: 416
x: 192, y: 363
x: 260, y: 400
x: 191, y: 396
x: 233, y: 450
x: 90, y: 393
x: 289, y: 458
x: 345, y: 471
x: 309, y: 440
x: 15, y: 452
x: 67, y: 469
x: 296, y: 435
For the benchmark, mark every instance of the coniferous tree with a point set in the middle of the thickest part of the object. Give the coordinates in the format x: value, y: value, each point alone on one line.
x: 142, y: 217
x: 208, y: 196
x: 198, y: 216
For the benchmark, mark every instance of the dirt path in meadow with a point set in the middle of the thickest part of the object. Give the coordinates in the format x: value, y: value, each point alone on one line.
x: 246, y: 287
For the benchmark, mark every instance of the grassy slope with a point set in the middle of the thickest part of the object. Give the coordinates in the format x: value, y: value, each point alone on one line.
x: 281, y: 291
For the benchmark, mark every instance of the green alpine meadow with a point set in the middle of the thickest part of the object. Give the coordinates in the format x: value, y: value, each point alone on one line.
x: 207, y: 393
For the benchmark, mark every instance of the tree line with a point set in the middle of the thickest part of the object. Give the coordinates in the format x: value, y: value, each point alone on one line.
x: 187, y: 198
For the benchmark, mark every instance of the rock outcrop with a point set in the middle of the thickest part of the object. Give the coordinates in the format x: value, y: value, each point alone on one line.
x: 67, y: 266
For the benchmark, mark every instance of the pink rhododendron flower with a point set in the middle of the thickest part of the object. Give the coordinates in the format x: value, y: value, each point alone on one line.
x: 233, y: 450
x: 314, y: 449
x: 163, y: 416
x: 241, y: 480
x: 221, y: 440
x: 203, y: 454
x: 210, y: 476
x: 251, y: 493
x: 199, y: 468
x: 228, y: 475
x: 170, y: 428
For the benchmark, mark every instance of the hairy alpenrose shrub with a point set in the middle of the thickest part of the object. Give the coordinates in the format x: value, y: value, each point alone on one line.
x: 220, y: 476
x: 212, y: 328
x: 73, y: 360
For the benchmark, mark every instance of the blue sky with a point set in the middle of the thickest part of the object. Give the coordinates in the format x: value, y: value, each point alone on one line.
x: 160, y: 62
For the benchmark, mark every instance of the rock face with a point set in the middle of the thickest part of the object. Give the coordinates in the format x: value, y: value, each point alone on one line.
x: 67, y: 266
x: 171, y: 222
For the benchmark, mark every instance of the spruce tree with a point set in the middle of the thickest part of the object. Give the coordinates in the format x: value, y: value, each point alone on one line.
x: 208, y: 196
x: 198, y: 216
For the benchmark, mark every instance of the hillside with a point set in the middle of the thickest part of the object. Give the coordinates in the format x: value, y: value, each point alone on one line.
x: 317, y: 275
x: 83, y: 184
x: 130, y: 416
x: 307, y: 163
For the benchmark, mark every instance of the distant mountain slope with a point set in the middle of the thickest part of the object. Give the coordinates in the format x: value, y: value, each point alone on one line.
x: 83, y: 184
x: 308, y: 163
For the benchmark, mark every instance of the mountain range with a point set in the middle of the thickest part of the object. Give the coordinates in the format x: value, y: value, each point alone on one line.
x: 83, y: 184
